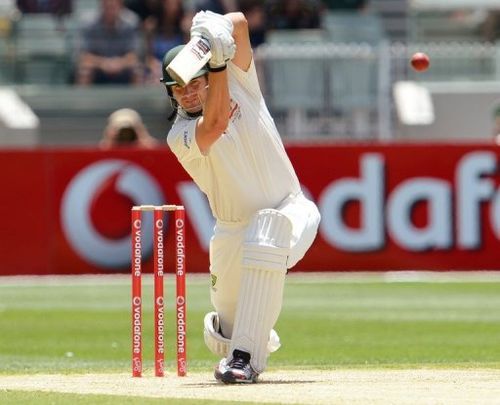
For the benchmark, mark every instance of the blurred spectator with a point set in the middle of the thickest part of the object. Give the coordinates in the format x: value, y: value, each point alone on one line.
x: 143, y: 8
x: 109, y: 47
x: 342, y: 5
x: 217, y: 6
x: 294, y: 14
x: 9, y: 13
x: 168, y: 27
x: 56, y: 7
x: 254, y: 11
x: 125, y: 128
x: 467, y: 22
x: 255, y: 14
x: 491, y: 26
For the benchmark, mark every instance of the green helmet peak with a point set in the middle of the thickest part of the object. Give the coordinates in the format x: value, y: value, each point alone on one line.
x: 167, y: 59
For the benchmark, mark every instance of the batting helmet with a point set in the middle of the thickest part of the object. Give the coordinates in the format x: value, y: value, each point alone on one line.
x: 169, y: 57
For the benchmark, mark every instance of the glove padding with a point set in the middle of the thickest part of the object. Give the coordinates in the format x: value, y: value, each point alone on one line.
x: 222, y: 47
x: 202, y: 17
x: 217, y: 30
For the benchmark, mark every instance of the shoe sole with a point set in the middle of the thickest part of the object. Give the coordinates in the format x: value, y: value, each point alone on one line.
x: 218, y: 375
x: 229, y: 378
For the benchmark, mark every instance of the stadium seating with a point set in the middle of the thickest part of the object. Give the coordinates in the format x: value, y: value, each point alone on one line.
x: 41, y: 50
x: 444, y: 26
x: 84, y: 6
x: 6, y: 62
x: 353, y: 77
x: 353, y: 27
x: 394, y: 17
x: 71, y: 114
x: 296, y: 83
x: 316, y: 81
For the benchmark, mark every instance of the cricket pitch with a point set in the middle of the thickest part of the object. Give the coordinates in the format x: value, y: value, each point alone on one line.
x: 373, y: 387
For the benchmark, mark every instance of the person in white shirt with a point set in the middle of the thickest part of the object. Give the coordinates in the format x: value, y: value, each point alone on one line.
x: 226, y: 139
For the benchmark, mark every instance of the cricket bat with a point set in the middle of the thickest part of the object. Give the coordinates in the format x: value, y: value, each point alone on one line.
x: 195, y: 54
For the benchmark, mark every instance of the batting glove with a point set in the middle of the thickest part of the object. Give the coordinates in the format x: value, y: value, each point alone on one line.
x: 220, y: 19
x: 198, y: 19
x: 209, y: 18
x: 221, y: 42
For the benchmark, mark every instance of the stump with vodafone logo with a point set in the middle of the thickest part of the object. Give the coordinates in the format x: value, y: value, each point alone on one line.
x: 159, y: 255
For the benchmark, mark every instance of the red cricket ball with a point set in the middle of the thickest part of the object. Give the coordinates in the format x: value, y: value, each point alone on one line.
x: 420, y: 61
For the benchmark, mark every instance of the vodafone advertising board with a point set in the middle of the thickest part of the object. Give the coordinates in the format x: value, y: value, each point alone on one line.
x: 390, y: 207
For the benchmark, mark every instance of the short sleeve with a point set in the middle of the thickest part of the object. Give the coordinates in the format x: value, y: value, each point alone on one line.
x: 247, y: 79
x: 181, y: 140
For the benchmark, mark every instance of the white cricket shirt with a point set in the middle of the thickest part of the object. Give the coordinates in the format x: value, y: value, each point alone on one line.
x: 247, y: 168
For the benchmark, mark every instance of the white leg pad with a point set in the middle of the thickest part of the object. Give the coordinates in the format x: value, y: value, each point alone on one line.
x: 269, y: 227
x: 219, y: 345
x: 267, y: 240
x: 259, y: 305
x: 216, y: 343
x: 265, y: 252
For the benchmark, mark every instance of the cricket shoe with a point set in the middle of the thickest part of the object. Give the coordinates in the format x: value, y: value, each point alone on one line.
x: 220, y: 369
x: 239, y: 370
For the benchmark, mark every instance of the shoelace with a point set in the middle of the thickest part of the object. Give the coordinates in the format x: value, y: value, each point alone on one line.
x: 238, y: 363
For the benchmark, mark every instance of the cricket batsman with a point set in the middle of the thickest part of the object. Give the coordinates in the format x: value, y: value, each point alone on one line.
x: 225, y: 138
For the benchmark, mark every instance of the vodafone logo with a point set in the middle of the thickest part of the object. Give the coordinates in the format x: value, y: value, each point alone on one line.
x: 95, y: 211
x: 455, y: 209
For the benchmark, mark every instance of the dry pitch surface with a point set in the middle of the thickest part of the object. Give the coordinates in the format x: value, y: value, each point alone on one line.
x: 367, y: 387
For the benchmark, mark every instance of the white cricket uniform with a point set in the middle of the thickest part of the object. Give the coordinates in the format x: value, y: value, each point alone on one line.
x: 245, y: 170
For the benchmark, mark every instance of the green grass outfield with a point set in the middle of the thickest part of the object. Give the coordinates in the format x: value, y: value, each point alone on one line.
x: 69, y: 325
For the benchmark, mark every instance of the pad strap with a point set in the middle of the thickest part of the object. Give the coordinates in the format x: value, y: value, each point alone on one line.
x: 219, y: 345
x: 267, y: 257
